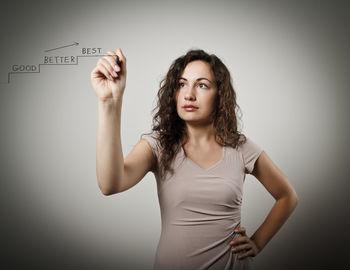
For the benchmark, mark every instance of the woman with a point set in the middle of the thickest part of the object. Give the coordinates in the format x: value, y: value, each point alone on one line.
x: 199, y: 160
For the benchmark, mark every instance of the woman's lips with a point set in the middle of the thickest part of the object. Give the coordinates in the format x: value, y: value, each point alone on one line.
x: 190, y: 108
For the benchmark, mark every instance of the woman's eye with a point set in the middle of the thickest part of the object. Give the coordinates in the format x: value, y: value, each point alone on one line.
x: 181, y: 84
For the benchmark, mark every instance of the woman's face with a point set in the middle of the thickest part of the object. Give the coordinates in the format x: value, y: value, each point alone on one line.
x: 197, y: 87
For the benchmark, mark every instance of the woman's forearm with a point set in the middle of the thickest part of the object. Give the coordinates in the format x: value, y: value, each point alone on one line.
x: 278, y: 215
x: 109, y: 154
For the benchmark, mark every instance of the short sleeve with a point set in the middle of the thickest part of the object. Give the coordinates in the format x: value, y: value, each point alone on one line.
x: 250, y: 152
x: 152, y: 140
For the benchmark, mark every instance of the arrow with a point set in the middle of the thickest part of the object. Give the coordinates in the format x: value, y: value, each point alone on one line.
x: 74, y: 44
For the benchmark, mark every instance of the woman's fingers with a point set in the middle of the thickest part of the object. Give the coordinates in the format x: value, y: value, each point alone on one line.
x: 240, y: 230
x: 246, y: 254
x: 238, y: 240
x: 241, y: 243
x: 241, y: 247
x: 104, y: 70
x: 108, y: 66
x: 105, y: 80
x: 95, y: 73
x: 111, y: 57
x: 99, y: 72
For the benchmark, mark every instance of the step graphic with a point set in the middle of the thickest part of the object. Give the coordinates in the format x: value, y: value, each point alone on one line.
x: 54, y: 60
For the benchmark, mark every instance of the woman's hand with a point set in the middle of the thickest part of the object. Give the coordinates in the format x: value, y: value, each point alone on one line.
x: 108, y: 78
x: 244, y: 243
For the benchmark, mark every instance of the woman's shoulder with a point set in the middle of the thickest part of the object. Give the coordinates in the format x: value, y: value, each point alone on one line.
x: 247, y: 144
x: 250, y: 151
x: 152, y: 135
x: 153, y: 139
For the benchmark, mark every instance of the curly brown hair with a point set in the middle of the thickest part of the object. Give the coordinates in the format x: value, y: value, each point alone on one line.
x: 171, y: 129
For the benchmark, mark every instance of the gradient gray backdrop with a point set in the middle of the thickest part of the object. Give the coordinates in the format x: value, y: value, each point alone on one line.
x: 290, y: 66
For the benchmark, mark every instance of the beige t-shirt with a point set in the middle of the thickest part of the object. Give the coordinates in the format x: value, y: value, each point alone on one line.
x: 200, y: 209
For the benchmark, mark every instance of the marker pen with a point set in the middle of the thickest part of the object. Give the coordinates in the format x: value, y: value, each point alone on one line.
x: 118, y: 62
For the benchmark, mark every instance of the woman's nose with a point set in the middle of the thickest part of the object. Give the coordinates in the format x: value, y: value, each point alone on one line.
x: 190, y: 94
x: 189, y: 97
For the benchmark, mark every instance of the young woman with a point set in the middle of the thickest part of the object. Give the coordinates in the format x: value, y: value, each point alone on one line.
x: 199, y: 160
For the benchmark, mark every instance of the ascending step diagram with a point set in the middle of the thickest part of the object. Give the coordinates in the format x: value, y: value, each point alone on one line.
x: 57, y: 60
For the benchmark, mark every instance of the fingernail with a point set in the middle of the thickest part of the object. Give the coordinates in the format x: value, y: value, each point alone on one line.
x: 114, y: 73
x: 116, y: 68
x: 110, y: 77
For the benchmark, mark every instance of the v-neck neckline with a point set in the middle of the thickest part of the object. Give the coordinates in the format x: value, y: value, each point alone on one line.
x: 211, y: 167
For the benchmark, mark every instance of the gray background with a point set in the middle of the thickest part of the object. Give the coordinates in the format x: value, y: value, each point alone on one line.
x: 290, y: 66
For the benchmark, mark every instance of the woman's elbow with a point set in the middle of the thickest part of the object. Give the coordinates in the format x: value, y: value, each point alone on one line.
x: 290, y: 196
x: 293, y: 198
x: 107, y: 190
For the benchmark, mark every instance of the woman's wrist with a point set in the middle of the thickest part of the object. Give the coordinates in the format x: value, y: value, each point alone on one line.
x: 110, y: 101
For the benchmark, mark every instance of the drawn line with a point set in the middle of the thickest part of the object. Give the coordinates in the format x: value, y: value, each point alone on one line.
x: 74, y: 44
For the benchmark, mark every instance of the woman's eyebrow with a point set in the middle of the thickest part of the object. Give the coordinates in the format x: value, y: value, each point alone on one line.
x: 197, y: 79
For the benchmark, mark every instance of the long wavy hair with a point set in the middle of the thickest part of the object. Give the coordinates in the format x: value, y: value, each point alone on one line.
x: 171, y: 129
